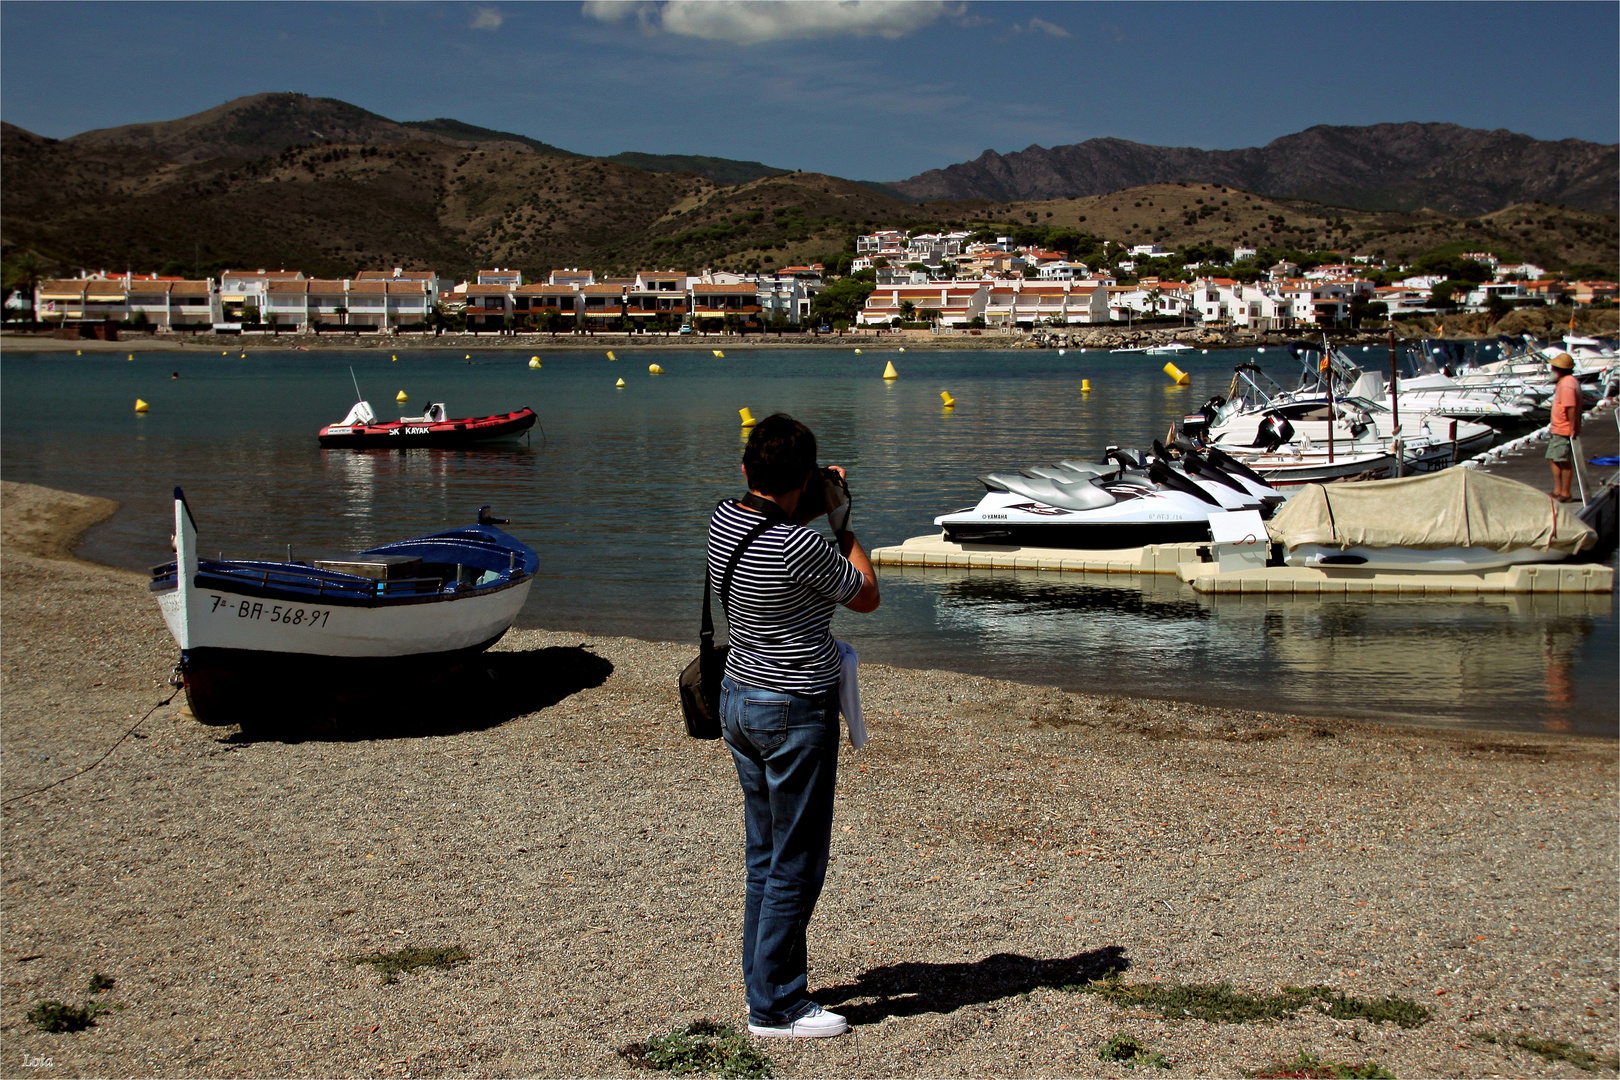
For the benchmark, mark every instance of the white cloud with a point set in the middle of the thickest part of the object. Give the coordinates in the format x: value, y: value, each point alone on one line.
x: 486, y: 18
x: 1049, y: 29
x: 751, y: 22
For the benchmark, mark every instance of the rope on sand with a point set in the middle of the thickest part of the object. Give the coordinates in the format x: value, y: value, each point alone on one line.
x: 98, y: 760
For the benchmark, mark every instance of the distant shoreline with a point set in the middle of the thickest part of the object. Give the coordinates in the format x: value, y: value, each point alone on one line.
x: 1100, y: 338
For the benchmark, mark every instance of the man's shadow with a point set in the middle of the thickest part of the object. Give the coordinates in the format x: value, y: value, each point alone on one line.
x: 909, y: 989
x: 482, y: 692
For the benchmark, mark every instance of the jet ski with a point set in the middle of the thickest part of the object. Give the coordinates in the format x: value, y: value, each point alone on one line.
x: 1126, y: 500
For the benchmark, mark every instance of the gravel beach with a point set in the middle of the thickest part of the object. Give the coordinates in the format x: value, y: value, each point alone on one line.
x: 994, y: 844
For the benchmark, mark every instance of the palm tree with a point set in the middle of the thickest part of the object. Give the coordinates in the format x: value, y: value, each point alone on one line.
x: 908, y: 311
x: 1154, y: 296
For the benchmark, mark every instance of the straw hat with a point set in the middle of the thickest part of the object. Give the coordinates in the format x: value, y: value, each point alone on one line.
x: 1562, y: 360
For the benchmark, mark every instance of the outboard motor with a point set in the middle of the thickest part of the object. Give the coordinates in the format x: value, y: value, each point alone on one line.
x: 1274, y: 431
x: 1194, y: 425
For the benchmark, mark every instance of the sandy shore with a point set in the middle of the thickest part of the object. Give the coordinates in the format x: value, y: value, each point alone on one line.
x: 994, y: 843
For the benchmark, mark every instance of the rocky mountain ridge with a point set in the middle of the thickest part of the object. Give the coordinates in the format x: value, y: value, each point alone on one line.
x: 1406, y: 166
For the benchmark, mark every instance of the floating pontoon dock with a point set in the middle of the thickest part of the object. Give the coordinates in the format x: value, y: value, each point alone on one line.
x: 935, y: 550
x: 1182, y: 560
x: 1347, y: 580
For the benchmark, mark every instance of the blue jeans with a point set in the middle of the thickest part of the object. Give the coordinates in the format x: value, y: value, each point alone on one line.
x: 786, y: 749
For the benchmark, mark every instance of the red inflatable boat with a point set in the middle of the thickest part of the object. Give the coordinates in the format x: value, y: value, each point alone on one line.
x: 433, y: 428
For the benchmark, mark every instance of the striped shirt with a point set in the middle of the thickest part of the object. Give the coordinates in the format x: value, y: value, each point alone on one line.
x: 780, y: 606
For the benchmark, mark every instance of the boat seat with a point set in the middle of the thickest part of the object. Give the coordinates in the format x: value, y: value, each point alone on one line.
x: 1088, y: 468
x: 1081, y: 494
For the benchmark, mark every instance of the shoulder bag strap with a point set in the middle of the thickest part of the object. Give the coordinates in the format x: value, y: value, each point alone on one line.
x: 706, y: 633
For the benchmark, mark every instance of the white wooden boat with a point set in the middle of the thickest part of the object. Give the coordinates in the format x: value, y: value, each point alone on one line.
x: 257, y: 635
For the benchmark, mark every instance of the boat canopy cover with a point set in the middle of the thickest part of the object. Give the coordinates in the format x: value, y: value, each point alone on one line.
x: 1450, y: 508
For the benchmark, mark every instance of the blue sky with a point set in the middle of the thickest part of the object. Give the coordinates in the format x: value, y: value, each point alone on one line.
x: 867, y: 90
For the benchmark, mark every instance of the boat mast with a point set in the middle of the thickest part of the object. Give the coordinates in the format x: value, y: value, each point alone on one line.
x: 1327, y: 373
x: 1395, y: 403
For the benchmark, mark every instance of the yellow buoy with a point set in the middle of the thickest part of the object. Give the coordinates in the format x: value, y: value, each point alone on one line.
x: 243, y: 356
x: 747, y: 417
x: 654, y: 369
x: 1179, y: 377
x: 1085, y: 386
x: 132, y: 356
x: 224, y: 352
x: 945, y: 396
x: 393, y: 358
x: 619, y: 384
x: 402, y: 396
x: 902, y: 348
x: 141, y: 406
x: 534, y: 361
x: 889, y: 372
x: 857, y: 352
x: 611, y: 356
x: 78, y: 352
x: 720, y: 354
x: 467, y: 357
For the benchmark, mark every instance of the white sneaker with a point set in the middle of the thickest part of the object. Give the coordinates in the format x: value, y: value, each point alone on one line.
x: 818, y: 1023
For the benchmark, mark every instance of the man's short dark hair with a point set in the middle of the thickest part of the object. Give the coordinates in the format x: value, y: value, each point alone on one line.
x: 779, y: 455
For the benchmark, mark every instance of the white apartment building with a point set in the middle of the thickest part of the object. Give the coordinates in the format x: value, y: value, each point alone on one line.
x: 1257, y: 306
x: 1063, y: 270
x: 572, y: 276
x: 162, y: 303
x: 1028, y: 304
x: 347, y: 305
x: 958, y: 303
x: 241, y: 290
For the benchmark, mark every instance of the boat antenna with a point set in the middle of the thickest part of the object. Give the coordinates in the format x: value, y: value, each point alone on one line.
x: 358, y: 396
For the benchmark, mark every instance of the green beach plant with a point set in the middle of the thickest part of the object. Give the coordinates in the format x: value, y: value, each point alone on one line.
x: 1131, y: 1051
x: 1308, y: 1066
x: 1220, y: 1004
x: 703, y: 1046
x: 390, y: 965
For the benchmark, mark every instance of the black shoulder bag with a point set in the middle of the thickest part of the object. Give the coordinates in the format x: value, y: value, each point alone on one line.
x: 700, y: 682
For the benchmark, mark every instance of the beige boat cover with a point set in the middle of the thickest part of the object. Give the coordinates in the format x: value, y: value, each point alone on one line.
x: 1450, y: 508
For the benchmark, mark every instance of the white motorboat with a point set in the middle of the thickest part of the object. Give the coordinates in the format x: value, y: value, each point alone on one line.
x: 1260, y: 416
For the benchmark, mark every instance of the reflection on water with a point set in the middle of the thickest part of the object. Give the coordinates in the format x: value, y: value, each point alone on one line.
x: 1506, y: 661
x: 615, y: 486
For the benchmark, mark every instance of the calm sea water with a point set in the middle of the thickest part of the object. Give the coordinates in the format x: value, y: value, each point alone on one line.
x: 614, y: 493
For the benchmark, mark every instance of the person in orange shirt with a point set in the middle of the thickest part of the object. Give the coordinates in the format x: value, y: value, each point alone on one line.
x: 1565, y: 427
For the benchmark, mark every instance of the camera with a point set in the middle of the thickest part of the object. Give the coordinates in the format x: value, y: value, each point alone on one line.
x: 826, y: 493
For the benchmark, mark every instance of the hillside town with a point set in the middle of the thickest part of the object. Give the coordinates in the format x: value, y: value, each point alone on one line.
x: 944, y: 282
